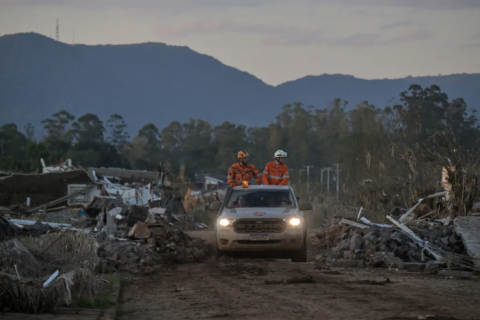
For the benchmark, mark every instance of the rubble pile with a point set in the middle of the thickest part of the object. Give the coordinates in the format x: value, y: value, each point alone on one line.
x: 360, y: 245
x: 149, y: 245
x: 61, y: 227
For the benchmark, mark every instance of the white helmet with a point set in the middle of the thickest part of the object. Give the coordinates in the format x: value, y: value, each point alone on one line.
x: 280, y: 154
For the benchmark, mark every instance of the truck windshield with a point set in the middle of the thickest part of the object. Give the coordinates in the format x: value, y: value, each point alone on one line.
x: 261, y: 199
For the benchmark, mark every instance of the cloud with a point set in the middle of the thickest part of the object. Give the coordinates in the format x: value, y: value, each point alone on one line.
x: 171, y: 6
x: 473, y: 43
x: 298, y: 38
x: 184, y: 6
x: 398, y: 24
x: 418, y: 4
x: 211, y: 27
x: 412, y: 34
x: 359, y: 40
x: 377, y: 39
x: 475, y: 36
x: 283, y: 35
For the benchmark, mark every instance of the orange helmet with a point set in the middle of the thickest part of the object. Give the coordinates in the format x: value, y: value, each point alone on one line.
x: 242, y: 154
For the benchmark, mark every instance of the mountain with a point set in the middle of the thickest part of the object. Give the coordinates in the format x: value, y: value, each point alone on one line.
x: 158, y: 83
x: 320, y: 90
x: 150, y: 82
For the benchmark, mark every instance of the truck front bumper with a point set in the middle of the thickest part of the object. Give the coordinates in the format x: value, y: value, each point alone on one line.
x: 291, y: 239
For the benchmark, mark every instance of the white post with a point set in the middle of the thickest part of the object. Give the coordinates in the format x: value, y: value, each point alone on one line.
x: 338, y: 179
x: 328, y: 180
x: 321, y: 179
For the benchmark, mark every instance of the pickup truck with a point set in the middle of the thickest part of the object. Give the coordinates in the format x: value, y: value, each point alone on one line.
x: 262, y: 219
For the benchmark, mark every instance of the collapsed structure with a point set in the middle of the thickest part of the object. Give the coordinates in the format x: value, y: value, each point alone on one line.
x: 59, y: 229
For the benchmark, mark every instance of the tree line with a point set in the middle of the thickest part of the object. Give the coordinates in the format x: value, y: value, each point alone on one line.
x: 369, y: 143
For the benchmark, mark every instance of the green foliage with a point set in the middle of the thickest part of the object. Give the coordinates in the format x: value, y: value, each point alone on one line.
x: 371, y: 144
x: 57, y: 126
x: 117, y: 135
x: 88, y: 128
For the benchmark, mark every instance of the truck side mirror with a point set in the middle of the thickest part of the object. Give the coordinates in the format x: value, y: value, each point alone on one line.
x: 306, y: 206
x: 214, y: 206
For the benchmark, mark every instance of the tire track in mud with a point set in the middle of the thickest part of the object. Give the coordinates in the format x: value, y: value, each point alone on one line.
x: 235, y: 289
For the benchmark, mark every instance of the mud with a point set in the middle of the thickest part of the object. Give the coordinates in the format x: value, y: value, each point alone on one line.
x: 236, y: 289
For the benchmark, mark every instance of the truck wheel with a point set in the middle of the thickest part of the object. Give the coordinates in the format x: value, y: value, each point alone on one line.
x: 300, y: 255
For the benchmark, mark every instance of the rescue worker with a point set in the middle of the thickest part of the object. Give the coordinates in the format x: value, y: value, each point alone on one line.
x: 276, y: 172
x: 242, y: 170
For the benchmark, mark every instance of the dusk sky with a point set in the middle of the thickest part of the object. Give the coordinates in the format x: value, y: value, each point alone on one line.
x: 276, y: 40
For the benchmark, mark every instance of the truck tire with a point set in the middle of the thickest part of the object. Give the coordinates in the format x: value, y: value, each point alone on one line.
x: 300, y: 255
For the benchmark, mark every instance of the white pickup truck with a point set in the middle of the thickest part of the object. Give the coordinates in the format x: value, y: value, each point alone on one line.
x: 261, y: 218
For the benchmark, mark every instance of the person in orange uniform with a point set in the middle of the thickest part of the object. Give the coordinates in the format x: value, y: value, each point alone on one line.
x: 242, y: 170
x: 276, y: 172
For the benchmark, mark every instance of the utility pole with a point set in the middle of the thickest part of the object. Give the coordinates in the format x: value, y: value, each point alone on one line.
x: 328, y: 177
x: 321, y: 179
x: 308, y: 178
x: 58, y: 32
x: 338, y: 179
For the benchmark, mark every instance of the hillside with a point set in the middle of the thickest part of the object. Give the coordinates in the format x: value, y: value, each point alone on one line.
x: 319, y: 90
x: 154, y: 82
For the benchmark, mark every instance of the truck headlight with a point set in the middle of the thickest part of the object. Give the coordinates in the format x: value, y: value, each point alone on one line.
x: 224, y: 222
x: 294, y: 221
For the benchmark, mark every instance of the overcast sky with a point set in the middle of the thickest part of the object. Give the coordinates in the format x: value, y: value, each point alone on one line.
x: 276, y: 40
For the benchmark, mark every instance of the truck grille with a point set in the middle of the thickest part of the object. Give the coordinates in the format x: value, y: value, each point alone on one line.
x: 259, y: 225
x: 259, y: 242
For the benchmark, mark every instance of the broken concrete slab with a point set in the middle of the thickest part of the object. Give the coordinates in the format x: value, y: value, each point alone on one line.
x: 40, y: 188
x: 354, y: 223
x: 468, y: 228
x: 125, y: 175
x: 140, y: 231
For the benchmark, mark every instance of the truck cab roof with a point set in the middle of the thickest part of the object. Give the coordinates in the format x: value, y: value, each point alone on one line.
x: 262, y: 187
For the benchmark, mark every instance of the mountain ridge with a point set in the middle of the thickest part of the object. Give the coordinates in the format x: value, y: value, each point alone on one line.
x: 159, y: 83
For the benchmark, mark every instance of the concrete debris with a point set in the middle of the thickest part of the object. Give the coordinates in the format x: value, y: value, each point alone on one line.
x: 153, y: 244
x: 64, y: 225
x: 357, y: 244
x: 469, y: 230
x: 140, y: 231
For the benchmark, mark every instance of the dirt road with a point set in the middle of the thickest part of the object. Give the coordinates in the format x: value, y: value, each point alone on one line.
x: 236, y: 289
